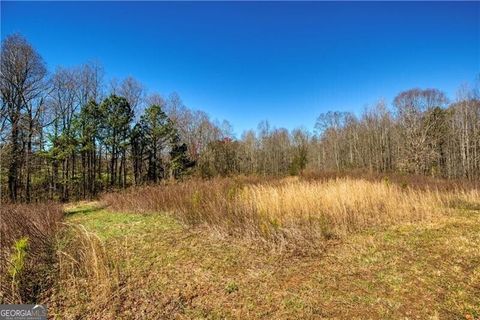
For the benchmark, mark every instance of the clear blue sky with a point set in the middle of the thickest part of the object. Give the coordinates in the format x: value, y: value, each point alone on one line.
x: 282, y: 61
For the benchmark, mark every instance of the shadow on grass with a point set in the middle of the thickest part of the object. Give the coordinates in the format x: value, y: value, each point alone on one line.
x: 464, y: 205
x: 84, y: 210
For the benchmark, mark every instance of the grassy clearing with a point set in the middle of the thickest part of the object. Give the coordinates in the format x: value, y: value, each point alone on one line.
x: 163, y: 269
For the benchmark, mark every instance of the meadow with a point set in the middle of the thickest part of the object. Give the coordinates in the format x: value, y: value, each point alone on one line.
x: 307, y: 247
x: 345, y: 183
x: 292, y: 212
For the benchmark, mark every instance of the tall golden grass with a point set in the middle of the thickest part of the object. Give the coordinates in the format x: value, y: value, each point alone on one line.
x: 292, y: 212
x: 88, y: 279
x: 418, y: 182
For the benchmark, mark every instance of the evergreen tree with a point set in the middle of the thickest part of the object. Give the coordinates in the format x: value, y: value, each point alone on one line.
x: 179, y: 160
x: 158, y: 132
x: 137, y: 141
x: 117, y: 116
x: 88, y: 123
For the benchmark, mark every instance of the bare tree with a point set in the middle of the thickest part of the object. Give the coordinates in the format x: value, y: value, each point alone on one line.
x: 131, y: 89
x: 412, y: 109
x: 22, y: 82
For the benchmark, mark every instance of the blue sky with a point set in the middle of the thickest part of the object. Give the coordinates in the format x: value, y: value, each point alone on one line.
x: 246, y: 62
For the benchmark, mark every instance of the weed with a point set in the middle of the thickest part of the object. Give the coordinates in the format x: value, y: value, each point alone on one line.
x: 17, y: 262
x: 231, y: 287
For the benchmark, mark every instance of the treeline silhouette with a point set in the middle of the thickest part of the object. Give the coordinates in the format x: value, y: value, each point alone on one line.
x: 69, y: 135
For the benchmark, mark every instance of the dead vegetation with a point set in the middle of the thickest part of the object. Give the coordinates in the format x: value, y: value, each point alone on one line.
x: 251, y: 248
x: 422, y: 270
x: 27, y: 250
x: 88, y: 280
x: 292, y: 212
x: 417, y: 182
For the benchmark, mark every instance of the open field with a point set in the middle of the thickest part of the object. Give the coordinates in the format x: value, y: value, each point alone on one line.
x: 240, y: 160
x: 292, y: 212
x: 382, y: 258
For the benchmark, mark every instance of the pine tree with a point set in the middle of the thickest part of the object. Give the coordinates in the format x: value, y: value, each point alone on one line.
x: 117, y: 116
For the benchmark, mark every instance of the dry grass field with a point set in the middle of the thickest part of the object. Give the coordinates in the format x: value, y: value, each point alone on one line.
x: 279, y: 249
x: 292, y: 213
x: 177, y: 160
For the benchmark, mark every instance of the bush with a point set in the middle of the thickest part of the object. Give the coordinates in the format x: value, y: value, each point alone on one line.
x: 27, y: 250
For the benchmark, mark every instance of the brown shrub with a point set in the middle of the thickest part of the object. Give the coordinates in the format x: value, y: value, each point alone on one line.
x: 37, y: 223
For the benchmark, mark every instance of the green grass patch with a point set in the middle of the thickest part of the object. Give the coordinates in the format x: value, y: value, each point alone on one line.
x: 109, y: 225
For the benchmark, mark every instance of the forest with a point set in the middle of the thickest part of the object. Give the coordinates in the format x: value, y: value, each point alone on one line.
x: 68, y: 135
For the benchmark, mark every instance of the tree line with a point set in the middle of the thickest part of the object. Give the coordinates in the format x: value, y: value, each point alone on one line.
x: 423, y: 134
x: 69, y: 135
